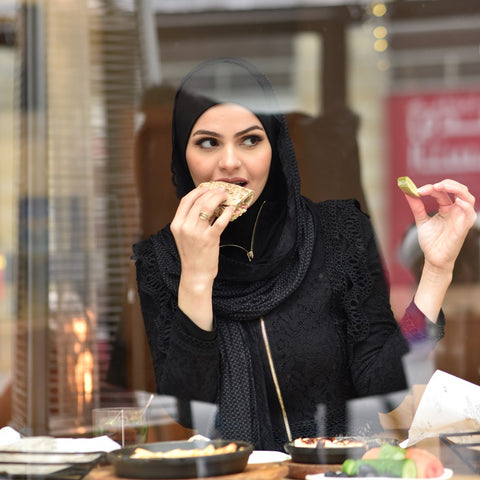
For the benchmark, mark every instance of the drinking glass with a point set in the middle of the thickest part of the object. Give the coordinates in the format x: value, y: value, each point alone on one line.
x: 126, y: 425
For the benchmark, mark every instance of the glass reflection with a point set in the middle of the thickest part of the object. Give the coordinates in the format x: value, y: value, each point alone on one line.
x: 336, y: 88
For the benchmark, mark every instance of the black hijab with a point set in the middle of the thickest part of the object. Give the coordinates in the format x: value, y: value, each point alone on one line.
x: 283, y: 218
x: 244, y: 290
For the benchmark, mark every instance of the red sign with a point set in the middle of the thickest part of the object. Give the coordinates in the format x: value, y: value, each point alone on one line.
x: 431, y: 136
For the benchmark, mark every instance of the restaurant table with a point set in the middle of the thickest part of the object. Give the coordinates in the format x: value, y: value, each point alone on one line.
x: 273, y: 471
x: 289, y: 470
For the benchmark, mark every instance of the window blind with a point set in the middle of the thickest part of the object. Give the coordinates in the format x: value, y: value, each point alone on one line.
x: 78, y: 207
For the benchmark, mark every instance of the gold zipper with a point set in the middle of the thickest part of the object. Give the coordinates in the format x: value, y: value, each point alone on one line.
x: 248, y: 252
x: 275, y: 380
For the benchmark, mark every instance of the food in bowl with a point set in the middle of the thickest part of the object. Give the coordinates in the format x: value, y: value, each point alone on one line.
x: 325, y: 450
x: 328, y: 442
x: 171, y: 460
x: 184, y: 453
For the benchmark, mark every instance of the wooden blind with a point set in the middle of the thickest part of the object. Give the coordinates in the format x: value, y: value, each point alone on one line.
x: 78, y: 207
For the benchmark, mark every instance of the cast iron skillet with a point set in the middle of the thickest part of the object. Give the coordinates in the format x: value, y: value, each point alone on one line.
x: 193, y: 467
x: 325, y: 455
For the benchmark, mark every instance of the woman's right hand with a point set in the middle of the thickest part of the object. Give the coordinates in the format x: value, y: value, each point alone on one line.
x: 198, y: 244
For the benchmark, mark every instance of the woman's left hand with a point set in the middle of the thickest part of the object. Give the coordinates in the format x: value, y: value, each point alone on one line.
x: 441, y: 236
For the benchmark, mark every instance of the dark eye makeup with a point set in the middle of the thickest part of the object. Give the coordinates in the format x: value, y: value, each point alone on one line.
x: 206, y: 142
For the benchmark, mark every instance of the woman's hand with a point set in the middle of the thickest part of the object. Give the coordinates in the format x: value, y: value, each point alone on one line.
x: 441, y: 236
x: 197, y: 236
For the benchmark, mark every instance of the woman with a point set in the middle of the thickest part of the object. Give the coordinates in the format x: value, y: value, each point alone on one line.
x: 285, y: 310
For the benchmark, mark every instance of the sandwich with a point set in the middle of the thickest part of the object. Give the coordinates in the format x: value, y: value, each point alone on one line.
x: 238, y: 196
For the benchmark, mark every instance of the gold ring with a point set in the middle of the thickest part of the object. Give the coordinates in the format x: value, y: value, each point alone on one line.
x: 204, y: 216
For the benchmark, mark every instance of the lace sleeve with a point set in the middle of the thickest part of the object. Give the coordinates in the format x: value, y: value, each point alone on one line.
x: 377, y: 365
x: 376, y: 360
x: 373, y: 341
x: 185, y: 360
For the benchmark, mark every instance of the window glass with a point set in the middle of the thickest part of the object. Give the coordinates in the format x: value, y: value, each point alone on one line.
x: 371, y: 91
x: 8, y: 198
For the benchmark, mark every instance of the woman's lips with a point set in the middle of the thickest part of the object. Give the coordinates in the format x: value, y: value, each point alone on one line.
x: 237, y: 181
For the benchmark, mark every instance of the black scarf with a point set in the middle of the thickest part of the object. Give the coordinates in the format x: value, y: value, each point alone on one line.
x: 244, y: 290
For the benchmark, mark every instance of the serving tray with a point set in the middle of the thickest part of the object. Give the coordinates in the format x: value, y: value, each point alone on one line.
x: 251, y: 472
x: 301, y: 470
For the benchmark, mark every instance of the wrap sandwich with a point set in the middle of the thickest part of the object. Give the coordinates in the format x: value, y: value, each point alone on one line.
x: 238, y: 196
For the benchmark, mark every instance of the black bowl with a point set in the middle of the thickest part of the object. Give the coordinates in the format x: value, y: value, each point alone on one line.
x: 189, y: 467
x: 325, y: 455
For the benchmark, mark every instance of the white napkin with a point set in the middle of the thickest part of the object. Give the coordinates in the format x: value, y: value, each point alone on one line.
x: 448, y: 405
x: 96, y: 444
x: 8, y: 435
x: 10, y: 439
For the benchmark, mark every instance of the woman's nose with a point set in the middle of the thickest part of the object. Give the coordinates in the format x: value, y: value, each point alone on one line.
x: 229, y: 158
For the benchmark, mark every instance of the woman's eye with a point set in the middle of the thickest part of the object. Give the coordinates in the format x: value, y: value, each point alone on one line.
x: 207, y: 143
x: 252, y: 140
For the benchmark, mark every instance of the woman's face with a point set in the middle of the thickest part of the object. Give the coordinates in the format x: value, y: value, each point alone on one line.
x: 229, y: 143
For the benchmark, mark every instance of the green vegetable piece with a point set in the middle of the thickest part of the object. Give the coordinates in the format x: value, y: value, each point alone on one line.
x: 407, y: 186
x: 391, y: 451
x: 405, y: 468
x: 350, y: 467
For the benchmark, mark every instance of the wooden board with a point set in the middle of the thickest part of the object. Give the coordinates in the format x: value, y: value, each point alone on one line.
x: 252, y: 472
x: 300, y: 470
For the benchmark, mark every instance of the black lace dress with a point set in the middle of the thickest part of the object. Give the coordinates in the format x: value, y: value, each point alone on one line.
x: 316, y: 280
x: 321, y: 358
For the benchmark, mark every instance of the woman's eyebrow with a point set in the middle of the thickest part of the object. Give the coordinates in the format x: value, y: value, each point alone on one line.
x: 249, y: 129
x: 211, y: 133
x: 206, y: 132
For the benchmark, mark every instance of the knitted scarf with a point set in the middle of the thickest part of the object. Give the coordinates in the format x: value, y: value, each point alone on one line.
x: 243, y: 290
